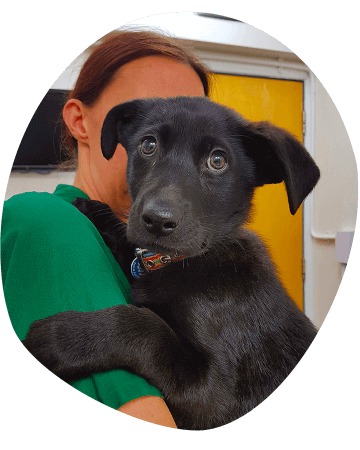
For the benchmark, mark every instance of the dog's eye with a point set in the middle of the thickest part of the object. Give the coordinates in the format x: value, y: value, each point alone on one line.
x: 217, y: 160
x: 148, y: 146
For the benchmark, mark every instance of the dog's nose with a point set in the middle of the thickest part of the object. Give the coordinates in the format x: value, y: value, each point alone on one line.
x: 159, y: 218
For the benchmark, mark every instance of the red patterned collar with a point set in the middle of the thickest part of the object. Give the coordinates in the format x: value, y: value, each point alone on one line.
x: 146, y: 261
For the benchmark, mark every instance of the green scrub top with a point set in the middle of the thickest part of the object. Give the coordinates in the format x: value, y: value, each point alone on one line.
x: 53, y: 259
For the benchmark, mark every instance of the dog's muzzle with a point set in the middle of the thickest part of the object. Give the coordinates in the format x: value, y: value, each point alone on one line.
x: 160, y: 218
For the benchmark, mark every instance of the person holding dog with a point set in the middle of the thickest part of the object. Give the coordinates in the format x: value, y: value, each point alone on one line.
x: 53, y: 259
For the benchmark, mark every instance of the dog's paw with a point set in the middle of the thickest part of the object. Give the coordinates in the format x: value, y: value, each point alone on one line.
x: 88, y: 207
x: 49, y: 341
x: 98, y: 213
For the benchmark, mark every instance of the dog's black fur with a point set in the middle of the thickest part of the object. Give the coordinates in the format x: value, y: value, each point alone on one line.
x: 215, y: 332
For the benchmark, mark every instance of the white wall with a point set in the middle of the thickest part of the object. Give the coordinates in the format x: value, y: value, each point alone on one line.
x: 335, y: 198
x: 27, y: 181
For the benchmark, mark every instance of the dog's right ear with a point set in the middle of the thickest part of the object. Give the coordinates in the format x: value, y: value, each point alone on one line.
x: 278, y: 157
x: 118, y: 126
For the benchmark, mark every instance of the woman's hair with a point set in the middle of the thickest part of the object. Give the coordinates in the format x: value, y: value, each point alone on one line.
x: 111, y: 53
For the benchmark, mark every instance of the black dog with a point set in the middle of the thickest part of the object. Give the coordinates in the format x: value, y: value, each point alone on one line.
x: 212, y: 326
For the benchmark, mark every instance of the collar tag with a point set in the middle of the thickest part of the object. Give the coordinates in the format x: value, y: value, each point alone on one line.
x: 146, y: 261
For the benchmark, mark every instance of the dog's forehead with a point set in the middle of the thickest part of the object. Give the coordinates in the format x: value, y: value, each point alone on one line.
x: 187, y: 113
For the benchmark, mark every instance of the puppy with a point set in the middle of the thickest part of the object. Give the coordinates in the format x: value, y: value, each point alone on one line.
x: 212, y: 326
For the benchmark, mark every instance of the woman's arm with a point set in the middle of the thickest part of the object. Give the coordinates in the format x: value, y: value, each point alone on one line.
x: 80, y: 275
x: 151, y: 409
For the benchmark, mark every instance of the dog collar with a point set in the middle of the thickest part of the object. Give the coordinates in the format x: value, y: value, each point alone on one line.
x: 146, y: 261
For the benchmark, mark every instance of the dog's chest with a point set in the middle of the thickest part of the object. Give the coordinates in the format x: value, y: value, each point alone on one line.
x: 201, y: 302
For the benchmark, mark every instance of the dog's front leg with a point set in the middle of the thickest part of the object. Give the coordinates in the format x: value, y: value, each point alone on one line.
x: 74, y: 345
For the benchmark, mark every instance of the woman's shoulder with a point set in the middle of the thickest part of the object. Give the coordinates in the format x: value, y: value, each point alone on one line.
x: 36, y: 208
x: 43, y: 216
x: 28, y: 204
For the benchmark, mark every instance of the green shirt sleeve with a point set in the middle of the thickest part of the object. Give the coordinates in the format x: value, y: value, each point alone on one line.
x: 53, y: 259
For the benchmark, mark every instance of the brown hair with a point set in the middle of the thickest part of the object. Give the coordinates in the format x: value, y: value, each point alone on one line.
x: 111, y: 53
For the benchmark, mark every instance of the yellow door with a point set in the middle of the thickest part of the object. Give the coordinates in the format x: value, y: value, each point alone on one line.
x: 280, y: 102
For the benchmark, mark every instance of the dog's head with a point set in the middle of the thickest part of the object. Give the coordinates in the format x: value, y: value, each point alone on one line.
x: 193, y: 166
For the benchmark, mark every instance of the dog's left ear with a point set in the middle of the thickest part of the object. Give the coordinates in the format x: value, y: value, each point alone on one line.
x: 278, y: 157
x: 118, y: 125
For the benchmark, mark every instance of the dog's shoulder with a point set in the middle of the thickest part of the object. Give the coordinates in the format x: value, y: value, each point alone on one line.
x: 248, y: 250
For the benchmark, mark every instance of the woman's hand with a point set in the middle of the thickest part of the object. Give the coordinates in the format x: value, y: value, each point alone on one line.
x: 151, y: 409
